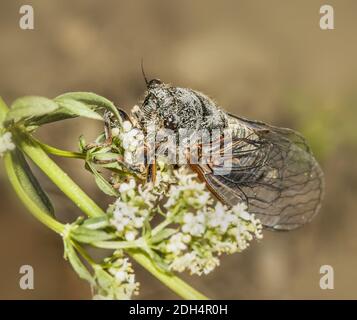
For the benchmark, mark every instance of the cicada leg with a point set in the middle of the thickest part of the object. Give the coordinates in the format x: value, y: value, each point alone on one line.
x: 151, y: 172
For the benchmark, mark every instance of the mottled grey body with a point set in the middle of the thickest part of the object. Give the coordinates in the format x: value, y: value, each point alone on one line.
x: 179, y: 108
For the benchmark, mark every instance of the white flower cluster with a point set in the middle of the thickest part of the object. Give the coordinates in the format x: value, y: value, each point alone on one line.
x: 203, y: 228
x: 131, y: 209
x: 116, y: 282
x: 164, y: 178
x: 132, y: 142
x: 187, y: 185
x: 6, y: 143
x: 207, y: 228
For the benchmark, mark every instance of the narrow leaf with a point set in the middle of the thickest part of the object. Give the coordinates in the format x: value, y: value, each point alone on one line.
x: 30, y: 184
x: 77, y: 264
x: 78, y: 108
x: 102, y: 184
x: 31, y: 106
x: 96, y: 223
x: 57, y: 115
x: 92, y: 99
x: 163, y: 234
x: 85, y: 235
x: 104, y: 279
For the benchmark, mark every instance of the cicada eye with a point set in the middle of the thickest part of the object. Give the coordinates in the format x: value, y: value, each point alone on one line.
x: 153, y: 83
x: 171, y: 122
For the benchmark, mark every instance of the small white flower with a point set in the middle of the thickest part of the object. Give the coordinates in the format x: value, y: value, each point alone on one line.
x: 131, y: 278
x: 118, y: 225
x: 121, y: 275
x: 121, y: 285
x: 203, y: 198
x: 130, y: 236
x: 146, y: 194
x: 6, y: 143
x: 131, y: 209
x: 125, y: 187
x: 194, y: 224
x: 176, y: 243
x: 127, y: 126
x: 183, y: 262
x: 138, y: 222
x: 186, y: 238
x: 240, y: 209
x: 115, y: 132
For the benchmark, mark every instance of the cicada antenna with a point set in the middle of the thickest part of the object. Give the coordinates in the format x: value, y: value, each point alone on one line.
x: 143, y: 72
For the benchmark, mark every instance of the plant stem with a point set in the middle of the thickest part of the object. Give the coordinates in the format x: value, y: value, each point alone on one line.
x: 161, y: 226
x: 59, y: 152
x: 174, y: 283
x: 115, y: 245
x: 83, y: 253
x: 34, y: 151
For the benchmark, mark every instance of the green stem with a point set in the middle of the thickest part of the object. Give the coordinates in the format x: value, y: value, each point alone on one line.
x: 83, y: 253
x: 34, y: 151
x: 160, y: 226
x: 167, y: 220
x: 59, y: 152
x: 115, y: 245
x: 174, y: 283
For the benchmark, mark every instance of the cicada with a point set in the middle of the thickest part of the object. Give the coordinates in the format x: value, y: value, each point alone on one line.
x: 272, y: 169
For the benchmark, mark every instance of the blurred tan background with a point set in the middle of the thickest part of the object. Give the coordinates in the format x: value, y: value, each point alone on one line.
x: 265, y: 60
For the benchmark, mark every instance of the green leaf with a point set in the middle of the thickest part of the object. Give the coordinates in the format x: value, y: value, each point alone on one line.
x: 78, y: 108
x: 162, y: 235
x: 30, y: 184
x: 105, y: 158
x: 77, y: 264
x: 158, y: 261
x: 100, y: 149
x: 104, y: 279
x: 57, y: 115
x: 82, y: 144
x: 31, y: 106
x: 3, y: 111
x: 85, y: 235
x: 92, y: 99
x: 96, y: 223
x: 103, y: 184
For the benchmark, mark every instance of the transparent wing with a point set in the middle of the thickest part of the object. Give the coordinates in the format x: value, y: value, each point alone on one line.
x: 273, y: 171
